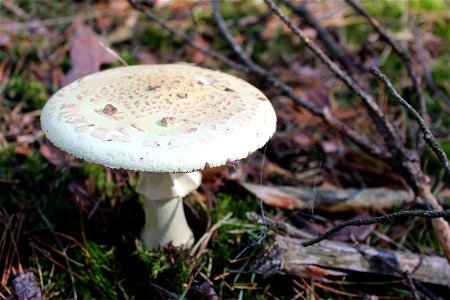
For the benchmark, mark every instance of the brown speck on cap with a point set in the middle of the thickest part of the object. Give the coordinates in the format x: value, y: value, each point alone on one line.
x: 168, y: 121
x: 153, y: 88
x: 182, y: 95
x: 191, y: 130
x: 109, y: 109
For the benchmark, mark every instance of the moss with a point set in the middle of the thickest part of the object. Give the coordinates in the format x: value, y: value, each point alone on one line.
x: 99, y: 276
x: 155, y: 38
x: 32, y: 94
x: 170, y: 266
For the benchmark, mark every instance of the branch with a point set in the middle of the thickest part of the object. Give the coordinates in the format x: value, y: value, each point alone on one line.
x: 236, y: 48
x: 186, y: 38
x: 429, y: 214
x: 328, y: 40
x: 326, y: 115
x: 386, y: 128
x: 428, y: 135
x: 253, y: 67
x: 403, y: 56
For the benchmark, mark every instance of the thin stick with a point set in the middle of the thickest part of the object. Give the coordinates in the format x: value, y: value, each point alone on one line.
x: 186, y: 38
x: 400, y: 52
x: 327, y: 39
x: 361, y: 140
x: 415, y: 79
x: 384, y: 125
x: 255, y: 68
x: 429, y: 214
x: 428, y: 135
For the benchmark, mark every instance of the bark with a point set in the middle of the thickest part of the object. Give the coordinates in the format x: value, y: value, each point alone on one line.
x: 329, y: 258
x: 331, y: 200
x: 440, y: 226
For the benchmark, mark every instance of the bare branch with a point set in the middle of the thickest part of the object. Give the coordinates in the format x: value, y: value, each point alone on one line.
x: 428, y: 135
x: 360, y: 140
x: 186, y: 38
x: 403, y: 56
x: 429, y: 214
x: 236, y: 48
x: 327, y: 39
x: 386, y: 128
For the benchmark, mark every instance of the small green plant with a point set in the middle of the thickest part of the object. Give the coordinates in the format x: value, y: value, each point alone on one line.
x: 33, y: 94
x: 99, y: 272
x: 169, y: 265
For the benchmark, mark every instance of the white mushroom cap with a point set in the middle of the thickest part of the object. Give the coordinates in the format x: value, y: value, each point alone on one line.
x: 159, y: 118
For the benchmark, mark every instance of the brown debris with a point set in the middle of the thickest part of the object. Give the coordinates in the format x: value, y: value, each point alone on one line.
x: 109, y: 109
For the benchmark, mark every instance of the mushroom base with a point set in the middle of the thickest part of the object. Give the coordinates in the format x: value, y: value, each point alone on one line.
x: 165, y: 221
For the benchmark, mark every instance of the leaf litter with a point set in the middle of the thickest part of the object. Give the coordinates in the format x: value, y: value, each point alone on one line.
x: 96, y: 200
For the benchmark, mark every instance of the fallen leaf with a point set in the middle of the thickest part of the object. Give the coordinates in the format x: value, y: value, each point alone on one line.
x: 87, y: 53
x: 55, y: 156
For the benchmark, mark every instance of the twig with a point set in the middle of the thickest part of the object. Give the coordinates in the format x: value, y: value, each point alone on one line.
x: 423, y: 289
x: 236, y: 48
x: 403, y: 56
x: 429, y: 214
x: 279, y: 225
x: 186, y: 38
x: 385, y: 127
x: 428, y: 135
x: 253, y: 67
x: 325, y: 113
x: 327, y: 39
x: 407, y: 274
x: 411, y: 285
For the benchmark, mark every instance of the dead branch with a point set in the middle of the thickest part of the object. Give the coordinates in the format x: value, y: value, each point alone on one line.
x: 427, y: 134
x: 400, y: 52
x: 279, y: 226
x: 185, y: 38
x: 330, y: 258
x: 327, y: 39
x: 236, y: 48
x: 383, y: 124
x: 360, y: 140
x: 330, y: 200
x: 384, y: 218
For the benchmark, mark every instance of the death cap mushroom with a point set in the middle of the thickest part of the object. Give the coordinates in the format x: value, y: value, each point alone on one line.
x: 159, y: 118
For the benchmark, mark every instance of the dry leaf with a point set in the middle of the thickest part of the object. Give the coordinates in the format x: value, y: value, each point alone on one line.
x: 87, y: 53
x: 55, y: 156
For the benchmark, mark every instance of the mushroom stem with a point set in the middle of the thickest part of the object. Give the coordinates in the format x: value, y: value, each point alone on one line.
x: 165, y: 221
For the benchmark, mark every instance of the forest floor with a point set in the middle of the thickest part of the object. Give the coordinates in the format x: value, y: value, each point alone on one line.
x: 76, y: 226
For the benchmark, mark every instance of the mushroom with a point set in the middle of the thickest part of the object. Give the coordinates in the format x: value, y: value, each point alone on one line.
x: 166, y: 122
